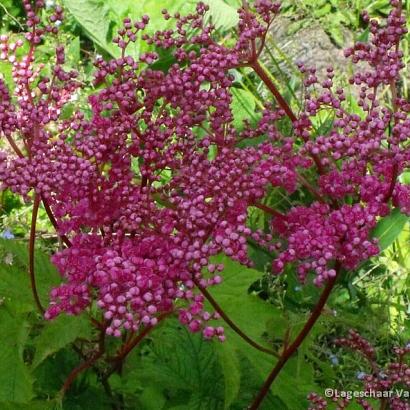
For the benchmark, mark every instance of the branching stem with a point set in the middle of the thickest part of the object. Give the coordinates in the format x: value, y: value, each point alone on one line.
x: 255, y: 65
x: 229, y: 321
x: 85, y: 365
x: 289, y: 351
x: 268, y: 210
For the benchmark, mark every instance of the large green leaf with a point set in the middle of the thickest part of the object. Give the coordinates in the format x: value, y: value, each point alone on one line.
x: 223, y: 16
x: 243, y: 107
x: 259, y: 319
x: 231, y: 370
x: 248, y: 311
x: 16, y: 383
x: 94, y: 17
x: 14, y: 279
x: 101, y: 19
x: 59, y: 333
x: 183, y: 366
x: 389, y: 228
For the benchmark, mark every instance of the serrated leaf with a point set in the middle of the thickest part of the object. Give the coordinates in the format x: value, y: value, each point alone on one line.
x: 57, y: 334
x: 189, y: 376
x: 248, y: 311
x: 253, y: 315
x: 389, y: 228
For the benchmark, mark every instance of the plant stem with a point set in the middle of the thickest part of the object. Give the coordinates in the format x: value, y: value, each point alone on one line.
x: 393, y: 181
x: 288, y: 352
x: 268, y: 210
x: 259, y: 70
x: 54, y: 222
x: 85, y: 365
x: 13, y: 145
x: 231, y: 324
x: 130, y: 345
x: 31, y: 244
x: 255, y: 65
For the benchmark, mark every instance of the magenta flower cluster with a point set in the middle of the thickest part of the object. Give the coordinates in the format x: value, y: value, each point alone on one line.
x: 149, y: 183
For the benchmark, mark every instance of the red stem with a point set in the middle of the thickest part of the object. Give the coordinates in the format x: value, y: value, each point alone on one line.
x: 131, y: 344
x: 231, y: 324
x: 392, y: 182
x: 272, y: 88
x: 255, y: 65
x: 85, y: 365
x: 288, y: 352
x: 54, y: 222
x: 31, y: 253
x: 14, y: 146
x: 268, y: 210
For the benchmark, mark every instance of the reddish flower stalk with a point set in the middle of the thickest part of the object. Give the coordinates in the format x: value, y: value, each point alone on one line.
x: 85, y: 365
x: 131, y: 344
x: 268, y: 210
x: 31, y: 250
x: 54, y: 222
x: 230, y: 323
x: 289, y: 351
x: 255, y: 65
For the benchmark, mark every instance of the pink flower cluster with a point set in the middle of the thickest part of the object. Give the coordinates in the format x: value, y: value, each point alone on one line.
x: 150, y: 183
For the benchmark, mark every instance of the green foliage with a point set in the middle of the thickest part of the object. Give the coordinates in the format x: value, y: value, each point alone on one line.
x: 15, y: 379
x: 334, y: 16
x: 389, y: 228
x: 94, y: 17
x: 58, y: 334
x: 26, y: 341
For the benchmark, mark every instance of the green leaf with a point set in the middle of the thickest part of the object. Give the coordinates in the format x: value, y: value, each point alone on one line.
x: 336, y: 35
x: 32, y: 405
x: 93, y: 17
x: 190, y: 377
x: 253, y: 316
x: 380, y: 6
x: 243, y: 107
x: 404, y: 178
x: 6, y: 74
x: 57, y: 334
x: 14, y: 279
x: 322, y: 11
x: 364, y: 36
x: 248, y: 311
x: 389, y: 228
x: 16, y: 383
x: 231, y: 370
x: 73, y: 51
x: 223, y: 15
